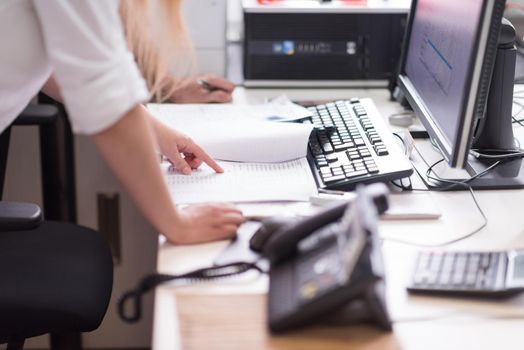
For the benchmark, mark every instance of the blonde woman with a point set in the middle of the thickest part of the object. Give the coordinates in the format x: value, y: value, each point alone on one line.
x: 154, y: 60
x: 82, y: 45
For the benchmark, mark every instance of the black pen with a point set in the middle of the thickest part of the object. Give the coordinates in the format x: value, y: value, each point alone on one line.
x: 207, y: 86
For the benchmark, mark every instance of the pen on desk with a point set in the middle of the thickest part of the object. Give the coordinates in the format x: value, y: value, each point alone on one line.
x: 209, y: 87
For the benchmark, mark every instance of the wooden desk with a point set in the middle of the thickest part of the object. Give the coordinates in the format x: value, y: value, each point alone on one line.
x: 230, y: 314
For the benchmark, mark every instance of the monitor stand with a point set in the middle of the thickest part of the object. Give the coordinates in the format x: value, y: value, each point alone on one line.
x: 495, y: 132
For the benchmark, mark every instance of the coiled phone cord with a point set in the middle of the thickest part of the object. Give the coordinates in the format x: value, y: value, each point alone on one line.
x: 134, y: 313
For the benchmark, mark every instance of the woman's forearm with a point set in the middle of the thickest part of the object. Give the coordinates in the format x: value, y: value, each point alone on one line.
x: 128, y: 148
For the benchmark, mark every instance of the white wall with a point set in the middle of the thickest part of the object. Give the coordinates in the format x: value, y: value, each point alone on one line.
x: 206, y: 23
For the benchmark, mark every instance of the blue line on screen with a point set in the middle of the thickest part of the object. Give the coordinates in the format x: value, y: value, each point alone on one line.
x: 430, y: 43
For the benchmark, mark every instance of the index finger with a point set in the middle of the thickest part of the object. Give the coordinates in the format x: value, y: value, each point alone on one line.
x: 206, y: 158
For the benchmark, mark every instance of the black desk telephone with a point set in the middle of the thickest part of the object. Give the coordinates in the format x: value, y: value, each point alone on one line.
x: 322, y: 268
x: 328, y: 265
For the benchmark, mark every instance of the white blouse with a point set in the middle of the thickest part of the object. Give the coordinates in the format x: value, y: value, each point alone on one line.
x: 82, y: 43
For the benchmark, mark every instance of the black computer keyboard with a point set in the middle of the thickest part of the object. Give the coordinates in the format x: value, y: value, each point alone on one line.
x: 352, y: 144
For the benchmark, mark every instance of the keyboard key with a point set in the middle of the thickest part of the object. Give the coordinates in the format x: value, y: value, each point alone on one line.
x: 432, y: 278
x: 485, y: 261
x: 381, y: 151
x: 341, y: 147
x: 334, y: 178
x: 327, y: 148
x: 473, y: 263
x: 445, y: 279
x: 447, y: 265
x: 356, y: 173
x: 331, y: 158
x: 369, y: 162
x: 365, y: 154
x: 353, y: 155
x: 436, y: 262
x: 375, y: 139
x: 457, y: 279
x: 325, y: 170
x: 420, y: 278
x: 470, y: 279
x: 460, y: 265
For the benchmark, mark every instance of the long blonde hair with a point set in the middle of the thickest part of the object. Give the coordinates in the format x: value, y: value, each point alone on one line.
x: 157, y: 37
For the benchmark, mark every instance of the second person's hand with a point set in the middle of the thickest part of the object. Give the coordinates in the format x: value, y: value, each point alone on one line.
x: 192, y: 90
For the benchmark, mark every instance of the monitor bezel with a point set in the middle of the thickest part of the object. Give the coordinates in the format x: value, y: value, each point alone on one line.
x: 473, y: 105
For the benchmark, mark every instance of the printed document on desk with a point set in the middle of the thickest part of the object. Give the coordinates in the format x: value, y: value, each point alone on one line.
x: 280, y: 108
x: 237, y: 132
x: 243, y: 182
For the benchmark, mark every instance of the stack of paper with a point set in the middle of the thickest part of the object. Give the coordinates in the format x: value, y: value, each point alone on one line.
x: 243, y: 182
x: 238, y: 133
x: 264, y: 160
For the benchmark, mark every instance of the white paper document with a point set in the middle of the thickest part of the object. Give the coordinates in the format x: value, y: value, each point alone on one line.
x: 280, y: 108
x: 243, y: 182
x: 237, y: 132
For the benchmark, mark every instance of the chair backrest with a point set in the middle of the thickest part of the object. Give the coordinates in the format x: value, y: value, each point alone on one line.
x: 4, y: 150
x: 33, y: 114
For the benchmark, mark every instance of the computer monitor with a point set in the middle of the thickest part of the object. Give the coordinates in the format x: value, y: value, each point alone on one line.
x: 457, y: 74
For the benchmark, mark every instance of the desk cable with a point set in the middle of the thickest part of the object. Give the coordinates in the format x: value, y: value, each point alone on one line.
x: 133, y: 313
x: 517, y: 96
x: 442, y: 185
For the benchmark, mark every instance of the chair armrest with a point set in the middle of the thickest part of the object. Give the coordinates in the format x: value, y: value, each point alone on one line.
x: 37, y: 115
x: 17, y: 216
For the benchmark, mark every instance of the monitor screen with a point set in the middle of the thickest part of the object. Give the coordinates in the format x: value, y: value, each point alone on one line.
x: 439, y: 54
x: 444, y: 68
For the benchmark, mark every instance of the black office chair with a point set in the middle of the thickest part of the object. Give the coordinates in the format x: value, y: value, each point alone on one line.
x: 55, y: 277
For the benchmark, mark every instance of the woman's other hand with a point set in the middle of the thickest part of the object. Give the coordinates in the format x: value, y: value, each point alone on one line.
x: 207, y: 222
x: 191, y: 91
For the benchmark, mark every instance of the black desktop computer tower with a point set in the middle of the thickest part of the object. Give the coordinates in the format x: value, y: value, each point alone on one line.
x: 326, y: 44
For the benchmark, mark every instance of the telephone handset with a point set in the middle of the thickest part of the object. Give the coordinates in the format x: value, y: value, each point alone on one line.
x: 323, y: 264
x: 284, y: 241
